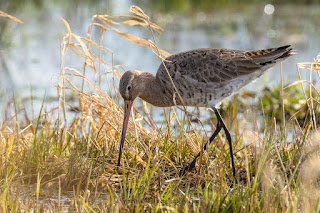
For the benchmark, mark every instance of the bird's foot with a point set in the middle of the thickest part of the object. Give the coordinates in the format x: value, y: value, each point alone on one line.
x: 187, y: 168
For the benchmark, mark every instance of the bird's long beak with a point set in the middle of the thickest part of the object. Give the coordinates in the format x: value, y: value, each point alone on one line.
x: 127, y: 109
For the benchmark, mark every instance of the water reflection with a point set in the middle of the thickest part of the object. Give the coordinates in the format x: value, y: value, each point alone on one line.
x: 30, y: 53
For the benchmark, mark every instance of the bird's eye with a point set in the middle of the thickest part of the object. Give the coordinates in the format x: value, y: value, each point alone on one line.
x: 129, y: 88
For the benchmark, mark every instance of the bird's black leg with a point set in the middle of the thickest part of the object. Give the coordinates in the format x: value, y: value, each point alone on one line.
x: 193, y: 163
x: 219, y: 126
x: 228, y: 135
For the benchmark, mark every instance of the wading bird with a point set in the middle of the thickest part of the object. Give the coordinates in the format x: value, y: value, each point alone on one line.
x: 200, y: 78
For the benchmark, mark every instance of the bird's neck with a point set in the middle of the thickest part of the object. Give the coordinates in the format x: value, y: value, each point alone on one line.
x: 150, y: 90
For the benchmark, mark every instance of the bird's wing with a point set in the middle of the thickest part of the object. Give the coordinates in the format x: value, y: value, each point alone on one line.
x: 219, y: 66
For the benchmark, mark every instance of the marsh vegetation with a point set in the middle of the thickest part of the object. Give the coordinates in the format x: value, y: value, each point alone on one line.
x: 64, y: 158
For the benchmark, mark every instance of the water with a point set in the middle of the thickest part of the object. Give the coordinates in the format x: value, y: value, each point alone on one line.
x: 30, y: 53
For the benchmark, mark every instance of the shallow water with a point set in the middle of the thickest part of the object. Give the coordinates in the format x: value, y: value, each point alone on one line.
x: 30, y: 53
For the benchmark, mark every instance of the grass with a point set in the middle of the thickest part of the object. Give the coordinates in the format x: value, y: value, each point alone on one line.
x: 56, y: 163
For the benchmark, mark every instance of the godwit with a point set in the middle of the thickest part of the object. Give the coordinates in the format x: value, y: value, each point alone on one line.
x: 202, y: 78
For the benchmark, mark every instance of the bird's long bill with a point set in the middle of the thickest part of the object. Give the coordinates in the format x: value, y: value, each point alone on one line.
x: 127, y: 109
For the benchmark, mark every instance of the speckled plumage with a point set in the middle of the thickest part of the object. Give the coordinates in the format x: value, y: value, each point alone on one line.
x: 203, y: 77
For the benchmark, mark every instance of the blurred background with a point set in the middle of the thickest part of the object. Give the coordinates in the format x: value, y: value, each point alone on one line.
x: 30, y: 52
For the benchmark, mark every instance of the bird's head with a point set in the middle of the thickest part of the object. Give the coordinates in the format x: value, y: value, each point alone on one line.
x: 129, y: 85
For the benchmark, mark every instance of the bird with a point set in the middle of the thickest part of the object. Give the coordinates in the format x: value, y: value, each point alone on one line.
x: 200, y: 78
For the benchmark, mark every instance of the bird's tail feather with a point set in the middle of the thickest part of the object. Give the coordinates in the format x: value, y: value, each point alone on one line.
x: 270, y: 56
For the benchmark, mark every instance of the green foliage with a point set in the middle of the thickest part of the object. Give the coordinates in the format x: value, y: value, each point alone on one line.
x: 294, y: 104
x: 207, y: 5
